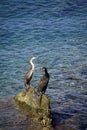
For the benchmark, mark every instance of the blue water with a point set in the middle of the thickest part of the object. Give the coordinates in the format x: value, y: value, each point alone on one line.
x: 56, y: 32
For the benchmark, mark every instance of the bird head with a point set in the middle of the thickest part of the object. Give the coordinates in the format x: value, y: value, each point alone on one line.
x: 44, y: 69
x: 32, y: 58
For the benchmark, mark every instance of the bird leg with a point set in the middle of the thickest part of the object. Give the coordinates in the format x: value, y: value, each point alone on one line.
x: 27, y: 86
x: 43, y: 92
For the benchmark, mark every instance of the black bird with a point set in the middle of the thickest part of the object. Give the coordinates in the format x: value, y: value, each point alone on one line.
x: 42, y: 85
x: 29, y: 74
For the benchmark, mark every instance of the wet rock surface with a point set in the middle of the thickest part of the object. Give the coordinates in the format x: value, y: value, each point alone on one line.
x: 37, y: 106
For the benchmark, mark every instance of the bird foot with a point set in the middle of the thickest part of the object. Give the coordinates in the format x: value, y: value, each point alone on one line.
x: 27, y: 89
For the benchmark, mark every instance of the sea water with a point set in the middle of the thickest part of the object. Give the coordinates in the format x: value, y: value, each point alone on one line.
x: 56, y: 32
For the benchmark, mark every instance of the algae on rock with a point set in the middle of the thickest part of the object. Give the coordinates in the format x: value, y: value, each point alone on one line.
x: 39, y: 106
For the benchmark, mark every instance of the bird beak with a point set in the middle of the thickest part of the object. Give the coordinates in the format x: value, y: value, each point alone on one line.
x: 36, y: 57
x: 41, y: 69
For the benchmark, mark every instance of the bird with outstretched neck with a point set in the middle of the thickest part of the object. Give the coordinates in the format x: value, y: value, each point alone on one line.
x: 42, y: 85
x: 29, y: 73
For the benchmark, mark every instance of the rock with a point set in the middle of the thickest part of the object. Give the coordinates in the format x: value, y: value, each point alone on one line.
x: 38, y: 106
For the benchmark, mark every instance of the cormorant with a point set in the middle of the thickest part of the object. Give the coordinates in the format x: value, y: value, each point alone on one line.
x: 42, y: 85
x: 29, y: 74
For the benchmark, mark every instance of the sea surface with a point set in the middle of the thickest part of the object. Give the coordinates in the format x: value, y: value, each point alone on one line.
x: 56, y: 32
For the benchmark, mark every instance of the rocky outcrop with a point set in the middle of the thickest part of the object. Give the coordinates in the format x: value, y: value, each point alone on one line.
x: 38, y: 106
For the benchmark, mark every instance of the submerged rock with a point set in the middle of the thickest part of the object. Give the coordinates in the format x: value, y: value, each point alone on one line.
x: 38, y: 106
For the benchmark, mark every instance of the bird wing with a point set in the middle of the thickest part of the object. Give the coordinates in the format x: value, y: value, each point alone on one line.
x: 43, y: 83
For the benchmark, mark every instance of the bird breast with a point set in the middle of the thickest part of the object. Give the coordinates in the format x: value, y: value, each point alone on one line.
x: 29, y: 74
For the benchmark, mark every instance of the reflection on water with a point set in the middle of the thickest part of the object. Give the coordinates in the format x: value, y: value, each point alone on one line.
x: 10, y: 118
x: 69, y: 106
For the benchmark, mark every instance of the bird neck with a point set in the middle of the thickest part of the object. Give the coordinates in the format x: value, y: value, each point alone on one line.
x: 32, y: 65
x: 46, y: 73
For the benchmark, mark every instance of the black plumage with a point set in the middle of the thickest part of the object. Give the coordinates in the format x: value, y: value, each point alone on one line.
x: 42, y: 85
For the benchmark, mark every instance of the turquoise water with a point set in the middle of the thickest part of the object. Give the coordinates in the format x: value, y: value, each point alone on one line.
x: 56, y: 32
